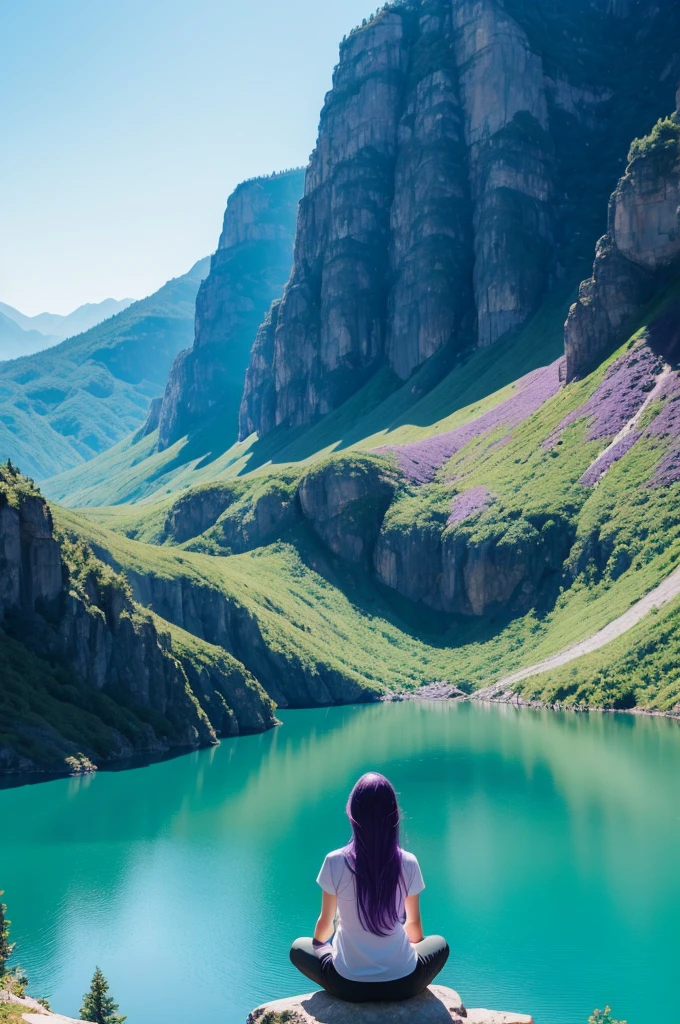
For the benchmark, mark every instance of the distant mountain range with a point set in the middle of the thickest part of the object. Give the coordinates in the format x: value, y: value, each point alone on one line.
x: 61, y: 407
x: 21, y: 335
x: 16, y: 342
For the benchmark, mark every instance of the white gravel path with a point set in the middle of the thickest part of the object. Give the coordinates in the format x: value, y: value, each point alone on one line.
x: 665, y: 592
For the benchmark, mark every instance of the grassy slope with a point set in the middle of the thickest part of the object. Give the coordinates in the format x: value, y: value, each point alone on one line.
x: 60, y: 407
x: 311, y: 605
x: 316, y: 610
x: 381, y: 413
x: 641, y: 668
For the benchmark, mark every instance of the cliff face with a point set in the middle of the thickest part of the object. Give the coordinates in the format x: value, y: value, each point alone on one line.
x: 639, y: 253
x: 446, y: 191
x: 248, y: 270
x: 129, y: 687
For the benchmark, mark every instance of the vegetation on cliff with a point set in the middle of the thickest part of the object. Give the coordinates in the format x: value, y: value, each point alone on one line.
x: 88, y: 675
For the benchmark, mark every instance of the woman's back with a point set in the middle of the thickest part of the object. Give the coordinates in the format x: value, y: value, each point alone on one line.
x: 359, y: 954
x: 371, y: 902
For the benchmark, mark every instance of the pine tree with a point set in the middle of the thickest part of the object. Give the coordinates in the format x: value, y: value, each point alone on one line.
x: 6, y: 947
x: 98, y: 1006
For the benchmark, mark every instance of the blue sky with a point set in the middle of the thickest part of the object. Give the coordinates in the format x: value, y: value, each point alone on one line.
x: 126, y: 123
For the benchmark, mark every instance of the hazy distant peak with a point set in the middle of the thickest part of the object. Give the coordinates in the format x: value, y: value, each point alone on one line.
x: 59, y: 326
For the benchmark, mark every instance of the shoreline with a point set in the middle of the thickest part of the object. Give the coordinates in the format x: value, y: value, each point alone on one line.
x: 444, y: 691
x: 439, y: 692
x: 142, y: 759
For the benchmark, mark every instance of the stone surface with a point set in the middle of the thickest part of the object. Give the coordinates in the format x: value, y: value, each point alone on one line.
x: 447, y: 569
x: 248, y: 270
x: 345, y: 500
x: 437, y: 1005
x: 632, y: 261
x: 48, y: 1018
x: 430, y: 220
x: 35, y: 1012
x: 510, y: 159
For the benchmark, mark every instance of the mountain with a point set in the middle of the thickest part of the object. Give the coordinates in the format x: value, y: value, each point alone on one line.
x: 86, y: 673
x: 16, y: 342
x: 462, y: 172
x: 465, y: 156
x: 248, y: 270
x: 459, y: 531
x: 62, y: 406
x: 476, y: 516
x: 57, y: 327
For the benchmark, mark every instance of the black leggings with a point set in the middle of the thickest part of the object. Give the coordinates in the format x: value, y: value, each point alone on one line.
x: 317, y: 965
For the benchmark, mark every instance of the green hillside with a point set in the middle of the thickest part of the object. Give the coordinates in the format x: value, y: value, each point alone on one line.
x: 601, y: 545
x: 383, y: 411
x: 61, y: 407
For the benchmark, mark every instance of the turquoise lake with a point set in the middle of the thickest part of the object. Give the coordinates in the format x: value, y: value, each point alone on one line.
x: 550, y: 845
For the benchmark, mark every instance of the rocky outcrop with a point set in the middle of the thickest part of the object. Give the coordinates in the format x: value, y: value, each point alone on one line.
x: 209, y: 614
x: 195, y: 512
x: 33, y: 1011
x: 259, y: 411
x: 133, y: 687
x: 30, y: 558
x: 446, y: 193
x: 468, y: 571
x: 635, y: 258
x: 345, y: 500
x: 235, y: 517
x: 435, y: 1005
x: 248, y: 270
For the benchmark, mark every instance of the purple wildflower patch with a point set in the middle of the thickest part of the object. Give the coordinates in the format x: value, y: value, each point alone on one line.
x: 624, y: 390
x: 667, y: 424
x: 420, y: 460
x: 467, y: 503
x: 612, y: 454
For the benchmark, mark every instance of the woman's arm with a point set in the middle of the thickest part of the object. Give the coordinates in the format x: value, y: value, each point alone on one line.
x: 324, y: 925
x: 413, y: 925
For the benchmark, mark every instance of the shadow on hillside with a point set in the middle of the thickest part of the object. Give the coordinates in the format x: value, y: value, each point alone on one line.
x: 663, y: 333
x: 436, y: 390
x: 438, y: 630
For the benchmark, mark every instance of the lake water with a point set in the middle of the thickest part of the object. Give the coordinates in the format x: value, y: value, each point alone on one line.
x: 550, y: 845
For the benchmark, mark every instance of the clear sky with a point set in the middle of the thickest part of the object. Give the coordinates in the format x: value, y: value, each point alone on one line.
x: 124, y: 125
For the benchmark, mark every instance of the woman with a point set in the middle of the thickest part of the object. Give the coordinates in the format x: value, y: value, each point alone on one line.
x: 373, y: 887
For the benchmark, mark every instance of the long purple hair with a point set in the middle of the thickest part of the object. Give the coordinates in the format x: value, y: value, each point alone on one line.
x: 373, y: 853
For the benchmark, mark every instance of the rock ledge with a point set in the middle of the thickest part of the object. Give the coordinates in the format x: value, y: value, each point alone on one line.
x: 437, y: 1005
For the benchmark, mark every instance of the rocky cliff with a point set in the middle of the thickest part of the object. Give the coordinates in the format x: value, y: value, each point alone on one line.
x: 248, y: 270
x: 463, y: 157
x: 639, y: 254
x: 85, y: 669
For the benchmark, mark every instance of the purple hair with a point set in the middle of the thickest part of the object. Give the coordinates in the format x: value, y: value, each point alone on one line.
x: 373, y: 853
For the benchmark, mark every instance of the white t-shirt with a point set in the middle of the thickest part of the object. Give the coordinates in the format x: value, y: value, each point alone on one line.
x: 359, y: 955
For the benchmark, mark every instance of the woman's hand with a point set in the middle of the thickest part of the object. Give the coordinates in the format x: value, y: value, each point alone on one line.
x: 413, y: 925
x: 325, y: 923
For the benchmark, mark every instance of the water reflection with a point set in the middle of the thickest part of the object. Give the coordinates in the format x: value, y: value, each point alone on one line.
x: 549, y: 844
